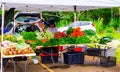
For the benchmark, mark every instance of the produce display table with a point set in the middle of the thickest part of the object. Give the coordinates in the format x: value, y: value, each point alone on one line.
x: 65, y: 48
x: 14, y: 63
x: 39, y: 47
x: 100, y: 49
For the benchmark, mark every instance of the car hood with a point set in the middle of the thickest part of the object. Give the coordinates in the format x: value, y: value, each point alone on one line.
x: 61, y: 29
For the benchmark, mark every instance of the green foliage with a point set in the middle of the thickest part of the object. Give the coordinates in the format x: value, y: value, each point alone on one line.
x: 110, y: 30
x: 118, y: 55
x: 99, y: 25
x: 94, y: 39
x: 109, y: 35
x: 29, y: 35
x: 115, y: 23
x: 89, y: 32
x: 82, y: 40
x: 20, y: 41
x: 36, y: 43
x: 70, y: 30
x: 0, y: 12
x: 51, y: 42
x: 71, y: 40
x: 12, y: 39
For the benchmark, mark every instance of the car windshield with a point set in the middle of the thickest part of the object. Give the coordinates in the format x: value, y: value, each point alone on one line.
x: 30, y: 19
x: 27, y: 17
x: 79, y: 24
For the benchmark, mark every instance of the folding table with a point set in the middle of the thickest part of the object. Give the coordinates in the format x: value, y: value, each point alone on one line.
x: 22, y: 55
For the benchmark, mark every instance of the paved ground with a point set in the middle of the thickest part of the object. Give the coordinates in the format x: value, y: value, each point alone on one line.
x: 89, y: 66
x: 30, y: 68
x: 79, y: 68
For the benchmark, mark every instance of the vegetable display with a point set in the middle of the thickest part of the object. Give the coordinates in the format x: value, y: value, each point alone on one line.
x: 69, y: 31
x: 14, y: 38
x: 34, y: 44
x: 105, y: 39
x: 77, y: 32
x: 10, y: 38
x: 89, y: 32
x: 59, y: 35
x: 29, y: 35
x: 44, y: 35
x: 46, y: 38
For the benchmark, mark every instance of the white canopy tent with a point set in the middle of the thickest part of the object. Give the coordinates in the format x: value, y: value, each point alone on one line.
x: 59, y: 5
x: 55, y: 5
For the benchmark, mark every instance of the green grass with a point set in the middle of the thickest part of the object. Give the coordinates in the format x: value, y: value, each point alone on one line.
x: 0, y: 12
x: 115, y: 35
x: 118, y: 55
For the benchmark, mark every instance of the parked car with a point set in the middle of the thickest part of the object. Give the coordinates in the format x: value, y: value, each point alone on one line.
x: 22, y: 21
x: 84, y: 25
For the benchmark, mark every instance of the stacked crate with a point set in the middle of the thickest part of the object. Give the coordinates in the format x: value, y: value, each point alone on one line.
x: 49, y: 54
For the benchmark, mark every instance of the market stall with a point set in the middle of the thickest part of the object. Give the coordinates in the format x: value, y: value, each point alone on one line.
x: 46, y: 38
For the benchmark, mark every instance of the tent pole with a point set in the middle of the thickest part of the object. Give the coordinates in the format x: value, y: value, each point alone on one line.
x: 2, y: 32
x: 41, y: 14
x: 14, y: 25
x: 75, y: 15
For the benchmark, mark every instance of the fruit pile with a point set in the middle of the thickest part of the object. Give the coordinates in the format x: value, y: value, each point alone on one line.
x: 12, y: 50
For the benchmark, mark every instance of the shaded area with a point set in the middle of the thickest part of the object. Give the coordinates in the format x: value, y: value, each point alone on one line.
x: 9, y: 15
x: 30, y: 67
x: 91, y: 64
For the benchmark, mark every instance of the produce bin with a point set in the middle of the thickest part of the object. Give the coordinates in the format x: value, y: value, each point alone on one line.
x: 108, y: 52
x: 49, y: 58
x: 107, y: 61
x: 49, y: 50
x: 93, y: 51
x: 84, y: 48
x: 73, y: 57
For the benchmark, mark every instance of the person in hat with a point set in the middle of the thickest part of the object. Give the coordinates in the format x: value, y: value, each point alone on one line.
x: 52, y: 27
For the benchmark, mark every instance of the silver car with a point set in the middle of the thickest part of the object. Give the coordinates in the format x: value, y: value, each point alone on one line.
x: 23, y: 20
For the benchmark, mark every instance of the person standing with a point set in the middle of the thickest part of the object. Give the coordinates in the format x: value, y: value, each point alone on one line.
x: 52, y: 27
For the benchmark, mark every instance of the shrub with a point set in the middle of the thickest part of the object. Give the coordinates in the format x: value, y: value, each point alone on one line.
x: 110, y: 30
x: 99, y: 25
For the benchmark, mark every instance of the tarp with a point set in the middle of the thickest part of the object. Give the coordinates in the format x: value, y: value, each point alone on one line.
x: 59, y: 5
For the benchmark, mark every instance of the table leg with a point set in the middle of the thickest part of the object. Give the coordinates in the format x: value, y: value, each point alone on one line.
x: 3, y: 68
x: 26, y: 64
x: 18, y: 66
x: 13, y: 64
